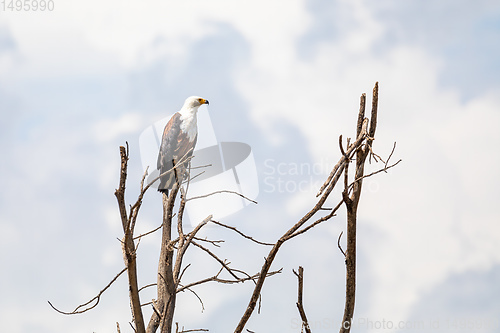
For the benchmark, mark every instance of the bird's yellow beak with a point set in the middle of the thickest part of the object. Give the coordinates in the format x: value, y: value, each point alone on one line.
x: 203, y: 101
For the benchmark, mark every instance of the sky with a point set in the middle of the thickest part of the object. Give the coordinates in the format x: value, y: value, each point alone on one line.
x: 283, y: 77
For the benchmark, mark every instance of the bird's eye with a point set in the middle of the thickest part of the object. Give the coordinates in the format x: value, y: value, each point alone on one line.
x: 200, y: 100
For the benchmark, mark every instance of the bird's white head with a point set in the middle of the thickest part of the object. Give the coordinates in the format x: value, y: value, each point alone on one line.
x: 194, y: 102
x: 188, y: 115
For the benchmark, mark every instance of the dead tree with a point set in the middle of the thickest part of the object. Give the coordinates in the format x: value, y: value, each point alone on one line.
x: 359, y: 150
x: 176, y: 242
x: 173, y: 249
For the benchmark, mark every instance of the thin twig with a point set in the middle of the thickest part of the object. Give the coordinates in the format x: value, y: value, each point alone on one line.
x: 134, y: 210
x: 153, y: 304
x: 147, y: 286
x: 339, y: 166
x: 197, y: 175
x: 221, y: 191
x: 376, y: 157
x: 300, y: 305
x: 213, y: 242
x: 320, y: 220
x: 96, y: 298
x: 180, y: 215
x: 221, y: 262
x: 201, y: 166
x: 215, y: 278
x: 184, y: 270
x: 183, y: 248
x: 199, y: 298
x: 384, y: 169
x: 341, y: 146
x: 338, y: 243
x: 390, y: 155
x: 149, y: 232
x: 242, y: 234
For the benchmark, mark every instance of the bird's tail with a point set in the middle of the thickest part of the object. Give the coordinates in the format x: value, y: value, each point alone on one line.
x: 162, y: 188
x: 163, y: 191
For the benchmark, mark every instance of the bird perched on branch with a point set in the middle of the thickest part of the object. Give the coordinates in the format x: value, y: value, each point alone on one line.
x: 177, y: 144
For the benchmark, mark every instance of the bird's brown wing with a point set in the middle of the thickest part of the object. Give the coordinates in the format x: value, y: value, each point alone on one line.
x: 168, y: 149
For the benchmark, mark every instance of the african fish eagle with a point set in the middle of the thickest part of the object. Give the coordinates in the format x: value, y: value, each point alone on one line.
x: 177, y: 144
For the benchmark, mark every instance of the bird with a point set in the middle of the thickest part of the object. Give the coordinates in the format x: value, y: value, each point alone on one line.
x: 178, y: 142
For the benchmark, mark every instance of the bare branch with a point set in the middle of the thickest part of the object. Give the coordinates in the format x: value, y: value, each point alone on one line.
x: 342, y: 161
x: 128, y: 246
x: 183, y: 247
x: 197, y: 175
x: 195, y: 330
x: 325, y: 192
x: 153, y: 304
x: 390, y: 155
x: 351, y: 207
x: 320, y: 220
x: 134, y: 210
x: 97, y: 298
x: 221, y: 191
x: 300, y: 305
x: 199, y: 298
x: 165, y: 280
x: 180, y: 214
x: 216, y: 278
x: 212, y: 278
x: 373, y: 117
x: 338, y: 243
x: 201, y: 166
x: 147, y: 286
x: 184, y: 270
x: 213, y: 242
x: 242, y: 272
x: 149, y: 232
x: 346, y: 174
x: 120, y: 192
x: 361, y: 114
x: 384, y: 169
x: 239, y: 232
x: 220, y: 261
x: 375, y: 156
x: 340, y: 145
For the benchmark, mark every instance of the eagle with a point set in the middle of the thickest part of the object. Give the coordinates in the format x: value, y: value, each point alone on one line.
x: 177, y: 143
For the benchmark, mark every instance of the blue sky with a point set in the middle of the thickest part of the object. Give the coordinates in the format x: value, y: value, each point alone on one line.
x: 284, y: 77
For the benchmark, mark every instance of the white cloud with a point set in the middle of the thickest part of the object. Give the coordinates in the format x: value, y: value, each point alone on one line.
x: 106, y: 130
x: 320, y: 97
